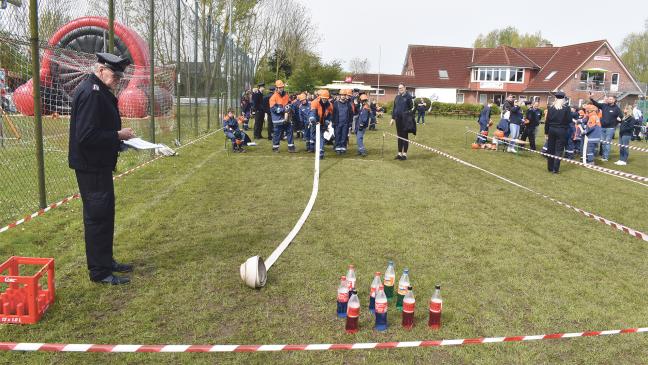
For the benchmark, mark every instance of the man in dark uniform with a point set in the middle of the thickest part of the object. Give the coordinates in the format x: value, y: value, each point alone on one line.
x: 266, y: 109
x: 258, y: 110
x: 96, y: 136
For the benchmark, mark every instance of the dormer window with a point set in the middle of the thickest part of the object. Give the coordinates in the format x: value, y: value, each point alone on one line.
x: 503, y: 74
x: 443, y: 74
x: 552, y: 74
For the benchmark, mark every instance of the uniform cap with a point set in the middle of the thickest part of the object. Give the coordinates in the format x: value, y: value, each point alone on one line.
x: 559, y: 95
x: 113, y: 62
x: 261, y: 84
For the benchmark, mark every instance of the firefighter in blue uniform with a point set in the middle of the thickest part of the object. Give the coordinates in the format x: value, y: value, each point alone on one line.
x: 95, y: 140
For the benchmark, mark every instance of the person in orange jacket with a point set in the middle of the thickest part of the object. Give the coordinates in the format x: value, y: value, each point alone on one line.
x: 279, y: 110
x: 321, y: 112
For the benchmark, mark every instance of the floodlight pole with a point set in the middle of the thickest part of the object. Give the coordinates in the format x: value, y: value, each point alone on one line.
x: 229, y: 69
x: 208, y: 68
x: 196, y: 68
x: 152, y: 70
x: 38, y: 119
x: 177, y: 76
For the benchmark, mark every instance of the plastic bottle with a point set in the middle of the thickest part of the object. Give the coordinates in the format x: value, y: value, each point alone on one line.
x: 436, y: 305
x: 353, y: 313
x: 381, y: 309
x: 403, y: 284
x: 390, y: 279
x: 409, y: 302
x: 351, y: 277
x: 375, y: 284
x: 342, y: 297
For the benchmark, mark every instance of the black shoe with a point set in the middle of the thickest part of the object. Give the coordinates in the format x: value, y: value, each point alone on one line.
x: 398, y: 157
x: 113, y: 280
x: 117, y: 267
x: 555, y: 172
x: 403, y: 158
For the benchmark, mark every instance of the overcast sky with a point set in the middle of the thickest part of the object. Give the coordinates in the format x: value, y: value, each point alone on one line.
x: 358, y: 28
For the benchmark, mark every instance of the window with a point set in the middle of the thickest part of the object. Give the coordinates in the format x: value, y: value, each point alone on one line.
x: 535, y: 99
x: 443, y: 74
x: 483, y: 98
x: 615, y: 79
x: 552, y: 74
x: 460, y: 98
x: 378, y: 92
x: 503, y: 74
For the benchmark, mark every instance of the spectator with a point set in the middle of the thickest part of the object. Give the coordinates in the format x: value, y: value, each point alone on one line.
x: 611, y: 116
x: 533, y: 118
x: 484, y: 122
x: 638, y: 116
x: 626, y: 130
x: 515, y: 120
x: 421, y: 107
x: 401, y: 114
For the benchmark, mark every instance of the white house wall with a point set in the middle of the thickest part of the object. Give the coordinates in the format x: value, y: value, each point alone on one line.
x: 442, y: 95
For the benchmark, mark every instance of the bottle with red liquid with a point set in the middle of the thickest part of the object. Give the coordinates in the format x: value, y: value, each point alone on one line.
x: 409, y: 302
x: 436, y: 305
x: 375, y: 284
x: 381, y: 310
x: 353, y: 314
x: 351, y: 277
x: 342, y: 297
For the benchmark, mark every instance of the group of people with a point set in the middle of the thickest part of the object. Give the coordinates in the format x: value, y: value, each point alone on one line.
x: 583, y: 131
x: 296, y: 115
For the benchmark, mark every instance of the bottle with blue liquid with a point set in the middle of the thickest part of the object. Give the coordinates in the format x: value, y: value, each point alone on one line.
x: 342, y: 297
x: 381, y: 307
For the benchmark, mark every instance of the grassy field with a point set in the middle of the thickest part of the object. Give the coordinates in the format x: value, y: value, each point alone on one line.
x: 18, y: 171
x: 509, y: 263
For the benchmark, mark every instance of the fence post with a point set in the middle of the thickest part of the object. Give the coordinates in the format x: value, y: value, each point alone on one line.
x: 207, y: 48
x: 177, y: 76
x: 152, y: 67
x: 38, y: 120
x: 111, y: 26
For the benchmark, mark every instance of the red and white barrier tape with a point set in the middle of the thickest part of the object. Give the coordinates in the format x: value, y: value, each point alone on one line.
x: 591, y: 167
x: 626, y: 146
x: 59, y: 347
x: 633, y: 232
x: 39, y: 213
x: 77, y: 195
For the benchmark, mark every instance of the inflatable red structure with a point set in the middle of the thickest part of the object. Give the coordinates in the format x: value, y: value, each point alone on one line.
x: 66, y: 63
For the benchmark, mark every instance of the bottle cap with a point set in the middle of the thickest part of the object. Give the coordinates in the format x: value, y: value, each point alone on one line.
x: 343, y: 277
x: 438, y: 287
x: 351, y: 266
x: 377, y: 273
x: 409, y: 287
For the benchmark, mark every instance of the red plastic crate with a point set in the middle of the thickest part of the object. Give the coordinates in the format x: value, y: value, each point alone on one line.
x: 24, y: 301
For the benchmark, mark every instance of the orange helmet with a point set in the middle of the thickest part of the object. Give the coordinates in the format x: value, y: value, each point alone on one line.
x: 279, y: 83
x: 364, y: 97
x: 475, y: 146
x: 301, y: 97
x: 499, y: 134
x: 324, y: 94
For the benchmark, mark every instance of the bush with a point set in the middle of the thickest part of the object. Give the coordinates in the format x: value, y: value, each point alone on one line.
x: 442, y: 108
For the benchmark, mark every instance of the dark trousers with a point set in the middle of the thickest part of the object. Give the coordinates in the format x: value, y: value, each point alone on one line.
x: 531, y: 133
x: 258, y: 124
x: 556, y: 146
x: 98, y: 196
x: 402, y: 145
x: 270, y: 126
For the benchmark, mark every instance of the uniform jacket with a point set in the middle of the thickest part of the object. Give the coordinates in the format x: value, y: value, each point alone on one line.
x: 278, y: 106
x: 363, y: 118
x: 593, y: 128
x: 627, y: 126
x: 534, y: 116
x: 342, y: 112
x: 484, y: 118
x: 319, y: 113
x: 304, y: 112
x: 257, y: 102
x: 516, y: 115
x: 558, y: 118
x: 94, y: 143
x: 402, y: 103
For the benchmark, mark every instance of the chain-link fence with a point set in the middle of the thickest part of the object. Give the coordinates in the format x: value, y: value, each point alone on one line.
x: 194, y: 80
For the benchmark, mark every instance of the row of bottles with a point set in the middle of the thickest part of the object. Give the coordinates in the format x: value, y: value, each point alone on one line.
x: 380, y: 293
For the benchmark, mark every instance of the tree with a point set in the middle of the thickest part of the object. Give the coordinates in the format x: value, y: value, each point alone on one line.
x: 634, y: 53
x: 510, y: 36
x: 359, y: 66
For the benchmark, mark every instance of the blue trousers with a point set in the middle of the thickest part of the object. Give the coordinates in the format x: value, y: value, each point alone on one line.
x: 276, y: 134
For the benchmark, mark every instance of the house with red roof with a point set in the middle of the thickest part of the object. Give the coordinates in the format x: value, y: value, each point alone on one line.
x: 480, y: 75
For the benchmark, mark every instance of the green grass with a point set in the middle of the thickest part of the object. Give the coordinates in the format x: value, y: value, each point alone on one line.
x: 18, y: 168
x: 509, y: 263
